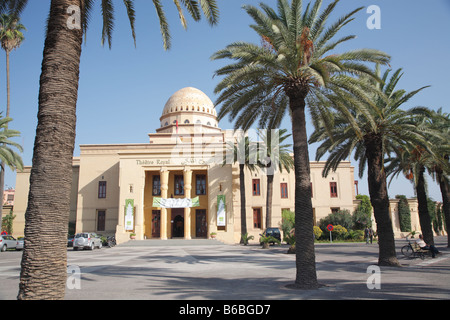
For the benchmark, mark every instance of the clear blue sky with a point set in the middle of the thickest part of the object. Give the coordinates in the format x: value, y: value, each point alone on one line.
x: 122, y: 91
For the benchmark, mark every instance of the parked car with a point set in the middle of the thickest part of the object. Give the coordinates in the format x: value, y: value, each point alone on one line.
x: 19, y: 244
x: 274, y: 232
x: 7, y: 242
x: 70, y: 241
x: 87, y: 240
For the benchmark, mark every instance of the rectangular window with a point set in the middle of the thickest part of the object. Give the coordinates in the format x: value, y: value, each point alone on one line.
x: 333, y: 190
x: 335, y: 210
x: 257, y: 218
x: 156, y: 190
x: 311, y: 191
x: 102, y: 189
x: 200, y: 184
x: 101, y: 220
x: 256, y: 187
x: 179, y: 186
x: 284, y: 191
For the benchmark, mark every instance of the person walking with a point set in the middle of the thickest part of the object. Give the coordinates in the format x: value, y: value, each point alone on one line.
x: 367, y: 234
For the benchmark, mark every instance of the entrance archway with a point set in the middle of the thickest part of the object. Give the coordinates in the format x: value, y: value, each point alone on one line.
x: 178, y: 223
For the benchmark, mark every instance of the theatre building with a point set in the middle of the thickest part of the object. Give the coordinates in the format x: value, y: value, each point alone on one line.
x: 177, y: 185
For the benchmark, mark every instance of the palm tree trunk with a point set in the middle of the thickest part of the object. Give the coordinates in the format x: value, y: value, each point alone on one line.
x: 306, y: 275
x: 424, y: 215
x: 44, y: 261
x: 269, y: 200
x: 2, y: 165
x: 8, y: 91
x: 243, y: 200
x: 445, y: 192
x: 380, y: 201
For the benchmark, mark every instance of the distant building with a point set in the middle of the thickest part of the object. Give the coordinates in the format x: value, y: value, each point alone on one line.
x: 176, y: 186
x: 8, y: 197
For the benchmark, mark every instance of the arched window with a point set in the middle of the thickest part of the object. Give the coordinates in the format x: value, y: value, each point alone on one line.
x: 186, y: 121
x: 198, y: 122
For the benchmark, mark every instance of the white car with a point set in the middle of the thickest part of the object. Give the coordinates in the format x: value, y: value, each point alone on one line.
x: 7, y: 242
x: 86, y: 240
x: 19, y: 244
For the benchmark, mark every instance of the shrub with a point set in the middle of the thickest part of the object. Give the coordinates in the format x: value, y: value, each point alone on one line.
x: 287, y: 222
x: 317, y: 232
x: 356, y: 235
x: 339, y: 232
x: 362, y: 214
x: 342, y: 218
x: 404, y: 213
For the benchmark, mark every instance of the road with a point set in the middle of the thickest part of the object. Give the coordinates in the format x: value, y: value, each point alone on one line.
x: 183, y: 270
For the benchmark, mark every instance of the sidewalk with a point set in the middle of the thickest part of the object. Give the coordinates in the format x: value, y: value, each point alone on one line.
x: 189, y: 270
x: 223, y: 272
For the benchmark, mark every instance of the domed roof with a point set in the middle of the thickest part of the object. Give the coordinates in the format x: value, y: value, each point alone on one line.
x: 191, y: 100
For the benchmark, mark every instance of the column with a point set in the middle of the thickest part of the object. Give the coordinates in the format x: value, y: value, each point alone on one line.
x: 187, y: 194
x: 164, y: 189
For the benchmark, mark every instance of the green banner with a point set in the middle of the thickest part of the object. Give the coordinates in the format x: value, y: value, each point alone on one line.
x: 221, y: 211
x: 176, y: 202
x: 129, y: 214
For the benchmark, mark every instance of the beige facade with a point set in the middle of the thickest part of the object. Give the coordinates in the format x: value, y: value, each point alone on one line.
x: 183, y: 159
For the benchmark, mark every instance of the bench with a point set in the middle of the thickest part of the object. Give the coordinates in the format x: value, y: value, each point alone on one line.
x: 419, y: 252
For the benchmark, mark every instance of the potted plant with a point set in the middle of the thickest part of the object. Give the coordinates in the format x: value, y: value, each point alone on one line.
x: 213, y: 235
x: 290, y: 240
x: 265, y: 240
x: 245, y: 238
x: 132, y: 236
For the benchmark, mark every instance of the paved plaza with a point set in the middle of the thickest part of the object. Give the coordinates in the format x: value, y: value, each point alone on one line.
x: 209, y: 270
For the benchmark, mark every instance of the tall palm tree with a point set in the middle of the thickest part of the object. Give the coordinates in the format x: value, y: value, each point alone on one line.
x: 44, y: 260
x: 412, y: 161
x: 372, y: 135
x: 440, y: 165
x: 11, y: 37
x: 278, y: 157
x: 8, y: 155
x: 246, y: 157
x: 295, y: 63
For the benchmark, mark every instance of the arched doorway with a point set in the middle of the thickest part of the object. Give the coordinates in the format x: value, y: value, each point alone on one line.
x: 178, y: 223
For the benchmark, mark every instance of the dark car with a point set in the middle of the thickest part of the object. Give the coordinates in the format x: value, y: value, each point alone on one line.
x: 70, y: 241
x: 274, y: 232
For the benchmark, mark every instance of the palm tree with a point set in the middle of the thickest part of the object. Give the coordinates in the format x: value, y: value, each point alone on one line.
x: 440, y: 166
x: 11, y: 37
x: 412, y: 161
x: 278, y: 157
x: 293, y: 66
x: 372, y: 135
x: 8, y: 155
x: 44, y: 260
x: 245, y: 156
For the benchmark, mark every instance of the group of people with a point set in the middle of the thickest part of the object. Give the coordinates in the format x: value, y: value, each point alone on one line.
x: 368, y: 235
